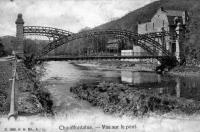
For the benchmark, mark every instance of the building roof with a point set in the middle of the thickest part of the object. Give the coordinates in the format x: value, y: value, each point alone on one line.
x: 171, y: 14
x: 174, y: 13
x: 173, y: 18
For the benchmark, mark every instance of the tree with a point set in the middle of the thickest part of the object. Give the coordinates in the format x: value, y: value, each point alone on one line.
x: 30, y: 48
x: 2, y: 51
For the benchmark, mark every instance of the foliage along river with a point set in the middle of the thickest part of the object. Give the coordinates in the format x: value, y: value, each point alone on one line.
x: 61, y: 75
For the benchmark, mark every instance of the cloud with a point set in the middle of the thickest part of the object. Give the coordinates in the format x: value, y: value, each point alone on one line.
x: 70, y: 15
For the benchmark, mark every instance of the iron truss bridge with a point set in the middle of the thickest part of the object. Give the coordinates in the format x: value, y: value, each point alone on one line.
x: 61, y: 37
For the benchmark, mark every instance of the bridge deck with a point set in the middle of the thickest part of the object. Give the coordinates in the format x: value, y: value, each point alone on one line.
x: 59, y: 58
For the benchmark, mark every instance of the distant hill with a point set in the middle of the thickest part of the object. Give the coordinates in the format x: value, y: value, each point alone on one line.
x: 129, y: 21
x: 145, y: 13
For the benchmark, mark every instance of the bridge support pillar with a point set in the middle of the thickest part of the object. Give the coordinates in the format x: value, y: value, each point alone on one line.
x: 19, y: 46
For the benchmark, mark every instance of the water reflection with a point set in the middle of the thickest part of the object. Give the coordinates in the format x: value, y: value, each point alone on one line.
x: 190, y: 87
x: 178, y: 87
x: 186, y: 87
x: 140, y: 77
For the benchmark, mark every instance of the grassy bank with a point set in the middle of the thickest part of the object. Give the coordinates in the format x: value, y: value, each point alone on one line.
x: 125, y: 100
x: 186, y: 71
x: 33, y: 98
x: 5, y: 75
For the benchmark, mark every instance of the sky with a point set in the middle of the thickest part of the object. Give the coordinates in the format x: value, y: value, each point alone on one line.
x: 71, y: 15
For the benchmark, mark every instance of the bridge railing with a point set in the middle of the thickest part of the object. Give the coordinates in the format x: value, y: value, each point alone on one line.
x: 45, y: 31
x: 13, y: 112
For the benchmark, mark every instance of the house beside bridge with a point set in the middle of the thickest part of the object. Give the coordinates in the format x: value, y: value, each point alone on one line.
x: 165, y: 20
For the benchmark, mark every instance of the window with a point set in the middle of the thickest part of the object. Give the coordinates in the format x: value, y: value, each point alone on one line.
x: 153, y: 25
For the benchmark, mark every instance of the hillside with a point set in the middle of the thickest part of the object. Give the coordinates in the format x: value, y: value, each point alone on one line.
x: 145, y: 13
x: 129, y: 21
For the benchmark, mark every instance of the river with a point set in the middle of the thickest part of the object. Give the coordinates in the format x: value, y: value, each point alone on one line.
x: 61, y: 75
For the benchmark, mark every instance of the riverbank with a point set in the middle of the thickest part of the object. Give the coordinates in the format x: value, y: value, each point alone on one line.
x: 122, y: 100
x: 138, y: 66
x: 31, y: 96
x: 185, y: 71
x: 117, y: 65
x: 5, y: 75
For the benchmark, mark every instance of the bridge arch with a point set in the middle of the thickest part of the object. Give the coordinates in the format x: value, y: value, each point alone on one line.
x: 145, y: 41
x: 142, y: 40
x: 62, y: 37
